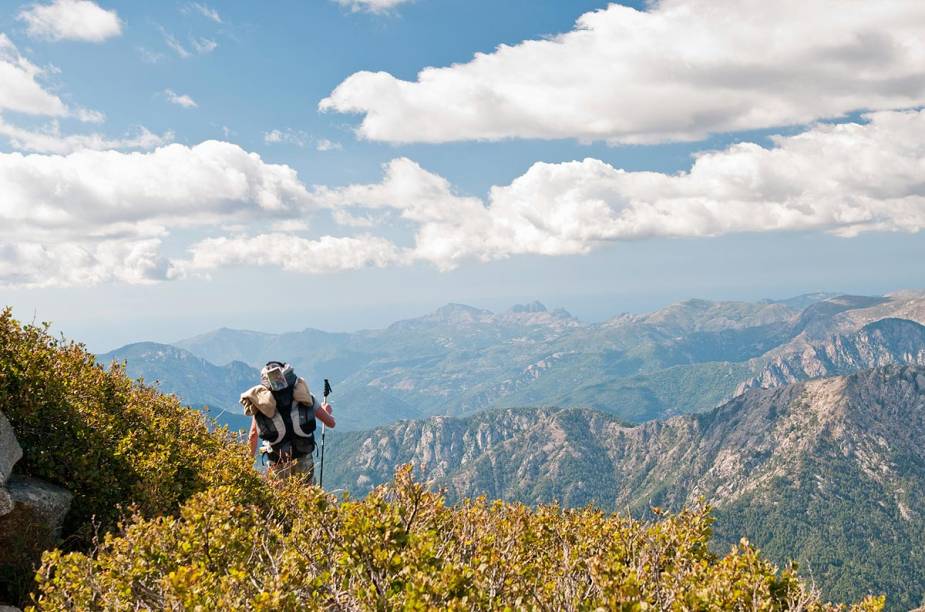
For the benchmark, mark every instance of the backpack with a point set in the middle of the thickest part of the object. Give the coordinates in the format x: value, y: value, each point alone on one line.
x: 290, y: 431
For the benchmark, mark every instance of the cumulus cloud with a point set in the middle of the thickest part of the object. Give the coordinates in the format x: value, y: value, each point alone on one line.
x: 71, y: 20
x: 81, y: 263
x: 679, y: 71
x: 107, y: 193
x: 844, y: 179
x: 100, y: 215
x: 51, y: 140
x: 180, y: 100
x: 371, y: 6
x: 21, y: 92
x: 322, y: 256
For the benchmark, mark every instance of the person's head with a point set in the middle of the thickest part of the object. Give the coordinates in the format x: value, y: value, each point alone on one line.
x: 277, y: 376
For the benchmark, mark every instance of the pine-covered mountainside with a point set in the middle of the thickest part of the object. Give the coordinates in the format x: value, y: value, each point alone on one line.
x: 159, y: 512
x: 830, y: 472
x: 688, y: 357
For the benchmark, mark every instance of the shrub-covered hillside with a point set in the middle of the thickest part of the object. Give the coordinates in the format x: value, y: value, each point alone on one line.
x: 206, y: 532
x: 109, y: 440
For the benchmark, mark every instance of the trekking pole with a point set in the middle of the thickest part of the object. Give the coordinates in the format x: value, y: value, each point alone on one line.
x: 327, y: 392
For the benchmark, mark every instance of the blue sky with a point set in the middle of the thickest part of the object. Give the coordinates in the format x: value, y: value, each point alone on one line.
x: 426, y: 189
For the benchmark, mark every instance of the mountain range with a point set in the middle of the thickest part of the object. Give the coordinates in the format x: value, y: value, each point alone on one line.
x: 459, y: 360
x: 830, y: 472
x: 802, y: 421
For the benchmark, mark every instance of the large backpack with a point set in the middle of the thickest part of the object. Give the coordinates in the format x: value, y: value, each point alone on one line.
x: 290, y: 432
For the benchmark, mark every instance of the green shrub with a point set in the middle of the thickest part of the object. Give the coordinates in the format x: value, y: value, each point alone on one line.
x: 111, y: 441
x: 402, y: 548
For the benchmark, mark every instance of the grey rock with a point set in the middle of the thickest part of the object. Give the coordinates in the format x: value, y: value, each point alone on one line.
x: 46, y: 503
x: 6, y: 503
x: 9, y: 609
x: 10, y: 451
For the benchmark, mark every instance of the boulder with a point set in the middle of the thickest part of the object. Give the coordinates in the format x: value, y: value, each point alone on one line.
x: 45, y: 503
x: 10, y: 451
x: 33, y: 526
x: 6, y: 504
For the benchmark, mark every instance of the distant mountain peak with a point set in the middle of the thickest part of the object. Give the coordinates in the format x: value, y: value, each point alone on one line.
x: 534, y: 306
x: 453, y: 309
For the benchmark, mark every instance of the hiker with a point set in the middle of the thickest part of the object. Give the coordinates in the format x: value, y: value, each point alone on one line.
x: 284, y: 413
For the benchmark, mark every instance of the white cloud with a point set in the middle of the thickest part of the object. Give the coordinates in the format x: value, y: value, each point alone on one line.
x: 327, y: 145
x: 171, y: 41
x: 71, y: 20
x: 680, y: 71
x: 348, y: 219
x: 296, y: 138
x: 200, y: 46
x: 148, y: 56
x: 371, y: 6
x: 99, y: 216
x: 108, y: 193
x: 205, y: 10
x: 50, y: 139
x: 21, y: 91
x: 844, y: 179
x: 31, y: 264
x: 180, y: 100
x: 325, y: 255
x: 287, y: 225
x: 203, y: 45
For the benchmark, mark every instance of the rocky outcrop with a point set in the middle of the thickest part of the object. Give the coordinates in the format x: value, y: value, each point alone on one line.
x: 45, y: 503
x: 889, y: 341
x: 10, y: 453
x: 32, y: 512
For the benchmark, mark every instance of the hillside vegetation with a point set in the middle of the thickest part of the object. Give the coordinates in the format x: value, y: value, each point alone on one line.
x: 205, y: 532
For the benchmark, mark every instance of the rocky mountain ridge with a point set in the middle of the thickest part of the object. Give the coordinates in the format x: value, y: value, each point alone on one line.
x: 687, y: 357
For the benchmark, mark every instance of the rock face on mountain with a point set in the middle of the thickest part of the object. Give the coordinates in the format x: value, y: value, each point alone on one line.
x: 883, y: 342
x: 822, y: 471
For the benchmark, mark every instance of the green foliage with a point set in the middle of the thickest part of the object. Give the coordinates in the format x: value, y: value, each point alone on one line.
x: 112, y: 441
x: 402, y: 548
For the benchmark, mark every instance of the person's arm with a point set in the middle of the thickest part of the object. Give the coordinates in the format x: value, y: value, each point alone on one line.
x: 324, y: 413
x: 252, y: 436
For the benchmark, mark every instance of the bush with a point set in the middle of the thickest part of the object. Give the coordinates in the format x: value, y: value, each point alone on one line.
x: 401, y: 547
x: 111, y: 441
